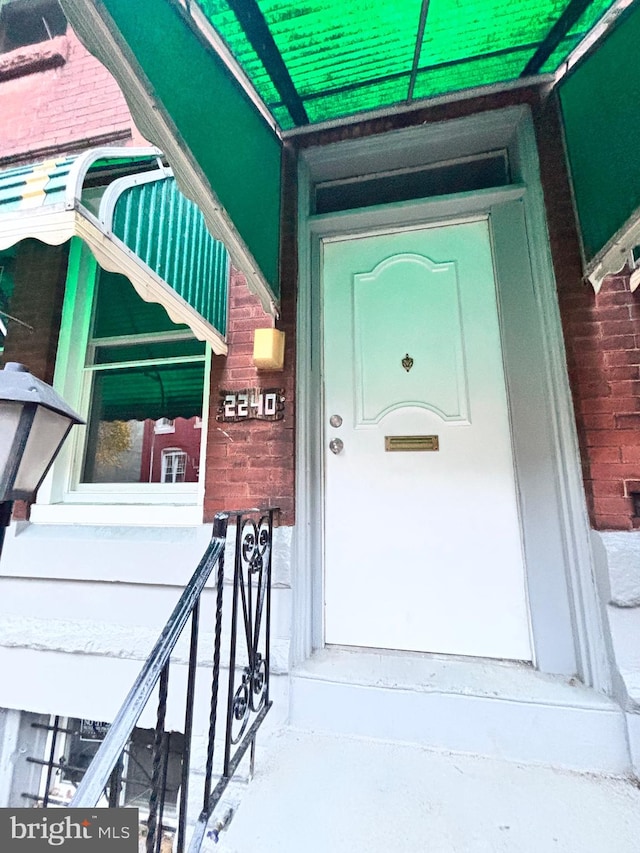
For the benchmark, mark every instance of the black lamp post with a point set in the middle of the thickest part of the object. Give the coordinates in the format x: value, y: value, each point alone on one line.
x: 34, y: 422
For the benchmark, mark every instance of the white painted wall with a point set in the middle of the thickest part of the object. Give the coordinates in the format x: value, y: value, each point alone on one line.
x: 81, y: 607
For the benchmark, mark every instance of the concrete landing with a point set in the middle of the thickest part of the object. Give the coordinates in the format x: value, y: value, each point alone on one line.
x: 331, y: 794
x: 501, y: 710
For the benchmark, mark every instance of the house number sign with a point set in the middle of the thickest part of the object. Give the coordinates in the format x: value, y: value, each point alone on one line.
x: 262, y: 404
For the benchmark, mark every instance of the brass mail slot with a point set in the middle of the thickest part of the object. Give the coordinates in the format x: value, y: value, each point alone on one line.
x: 411, y: 442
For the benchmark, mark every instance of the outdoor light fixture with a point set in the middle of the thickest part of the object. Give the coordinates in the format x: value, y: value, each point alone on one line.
x: 34, y: 422
x: 268, y: 349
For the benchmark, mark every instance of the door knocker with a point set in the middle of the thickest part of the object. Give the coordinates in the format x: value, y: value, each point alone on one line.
x: 407, y: 362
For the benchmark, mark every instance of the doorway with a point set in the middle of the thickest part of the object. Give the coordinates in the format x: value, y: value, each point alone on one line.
x: 417, y: 443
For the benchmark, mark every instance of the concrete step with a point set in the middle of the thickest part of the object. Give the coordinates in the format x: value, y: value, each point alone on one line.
x: 624, y: 623
x: 322, y: 792
x: 622, y: 550
x: 502, y: 710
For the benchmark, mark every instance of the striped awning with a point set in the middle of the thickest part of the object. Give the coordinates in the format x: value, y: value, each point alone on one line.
x: 126, y: 207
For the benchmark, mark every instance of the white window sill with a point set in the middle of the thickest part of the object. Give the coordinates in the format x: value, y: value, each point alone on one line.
x: 149, y: 515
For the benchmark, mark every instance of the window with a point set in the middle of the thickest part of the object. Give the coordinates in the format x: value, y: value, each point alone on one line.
x: 468, y: 173
x: 140, y: 381
x: 141, y: 369
x: 24, y: 22
x: 165, y: 425
x: 174, y: 464
x: 69, y: 745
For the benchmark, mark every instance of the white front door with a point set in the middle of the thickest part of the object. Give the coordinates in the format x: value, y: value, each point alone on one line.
x: 423, y: 547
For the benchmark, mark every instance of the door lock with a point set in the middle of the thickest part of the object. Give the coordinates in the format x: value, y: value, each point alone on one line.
x: 336, y: 445
x: 335, y: 421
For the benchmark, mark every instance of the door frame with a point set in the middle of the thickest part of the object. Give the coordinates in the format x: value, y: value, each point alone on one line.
x: 566, y: 619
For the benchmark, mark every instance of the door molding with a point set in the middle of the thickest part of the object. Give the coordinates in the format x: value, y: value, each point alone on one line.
x: 568, y: 633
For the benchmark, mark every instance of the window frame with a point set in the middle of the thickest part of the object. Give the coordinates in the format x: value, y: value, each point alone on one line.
x: 177, y: 455
x: 26, y: 9
x: 164, y: 426
x: 62, y: 496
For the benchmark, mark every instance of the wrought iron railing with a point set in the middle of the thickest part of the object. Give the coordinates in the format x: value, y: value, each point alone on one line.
x: 247, y: 685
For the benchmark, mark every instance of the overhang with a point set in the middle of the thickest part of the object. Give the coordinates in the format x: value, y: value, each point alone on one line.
x: 125, y: 205
x: 601, y: 132
x: 219, y: 84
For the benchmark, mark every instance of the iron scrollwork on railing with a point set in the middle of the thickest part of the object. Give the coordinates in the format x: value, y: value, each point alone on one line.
x: 247, y: 689
x: 251, y: 582
x: 248, y: 686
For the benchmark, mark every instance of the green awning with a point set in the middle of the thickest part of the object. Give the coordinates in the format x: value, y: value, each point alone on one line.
x: 125, y: 205
x: 326, y: 59
x: 217, y: 84
x: 601, y: 131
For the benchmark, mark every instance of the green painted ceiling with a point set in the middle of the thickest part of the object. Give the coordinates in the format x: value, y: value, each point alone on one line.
x: 317, y: 60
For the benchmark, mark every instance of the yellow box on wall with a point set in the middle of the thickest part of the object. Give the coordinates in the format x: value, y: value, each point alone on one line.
x: 268, y: 349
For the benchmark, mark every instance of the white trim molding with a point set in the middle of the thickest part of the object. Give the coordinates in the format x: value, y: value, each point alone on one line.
x: 568, y: 629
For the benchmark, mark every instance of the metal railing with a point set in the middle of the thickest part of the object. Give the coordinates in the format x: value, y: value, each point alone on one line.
x: 247, y: 700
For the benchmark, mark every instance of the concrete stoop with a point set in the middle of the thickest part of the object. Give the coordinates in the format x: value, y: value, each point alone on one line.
x: 320, y: 792
x: 501, y: 710
x: 396, y: 752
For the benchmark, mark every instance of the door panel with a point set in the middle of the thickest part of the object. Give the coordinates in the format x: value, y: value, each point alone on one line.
x: 422, y: 548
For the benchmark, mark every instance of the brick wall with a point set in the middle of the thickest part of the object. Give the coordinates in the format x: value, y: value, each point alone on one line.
x: 250, y: 463
x: 55, y: 98
x: 603, y: 333
x: 66, y: 105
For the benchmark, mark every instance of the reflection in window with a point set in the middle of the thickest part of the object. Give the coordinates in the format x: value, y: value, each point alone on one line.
x: 165, y: 425
x: 174, y: 464
x: 147, y: 382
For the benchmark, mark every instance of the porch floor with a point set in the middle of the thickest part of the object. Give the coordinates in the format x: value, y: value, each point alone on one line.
x: 323, y: 792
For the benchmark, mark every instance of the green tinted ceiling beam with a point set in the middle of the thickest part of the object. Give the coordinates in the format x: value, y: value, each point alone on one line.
x: 259, y: 35
x: 558, y: 31
x: 424, y: 10
x: 425, y: 69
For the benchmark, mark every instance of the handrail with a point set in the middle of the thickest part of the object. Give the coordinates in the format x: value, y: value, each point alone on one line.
x: 248, y: 700
x: 92, y: 785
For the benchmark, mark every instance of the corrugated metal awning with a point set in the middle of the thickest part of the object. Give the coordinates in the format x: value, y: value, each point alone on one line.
x: 126, y: 207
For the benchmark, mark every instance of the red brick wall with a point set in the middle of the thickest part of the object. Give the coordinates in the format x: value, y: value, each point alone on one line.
x: 603, y: 332
x: 250, y: 463
x: 57, y: 97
